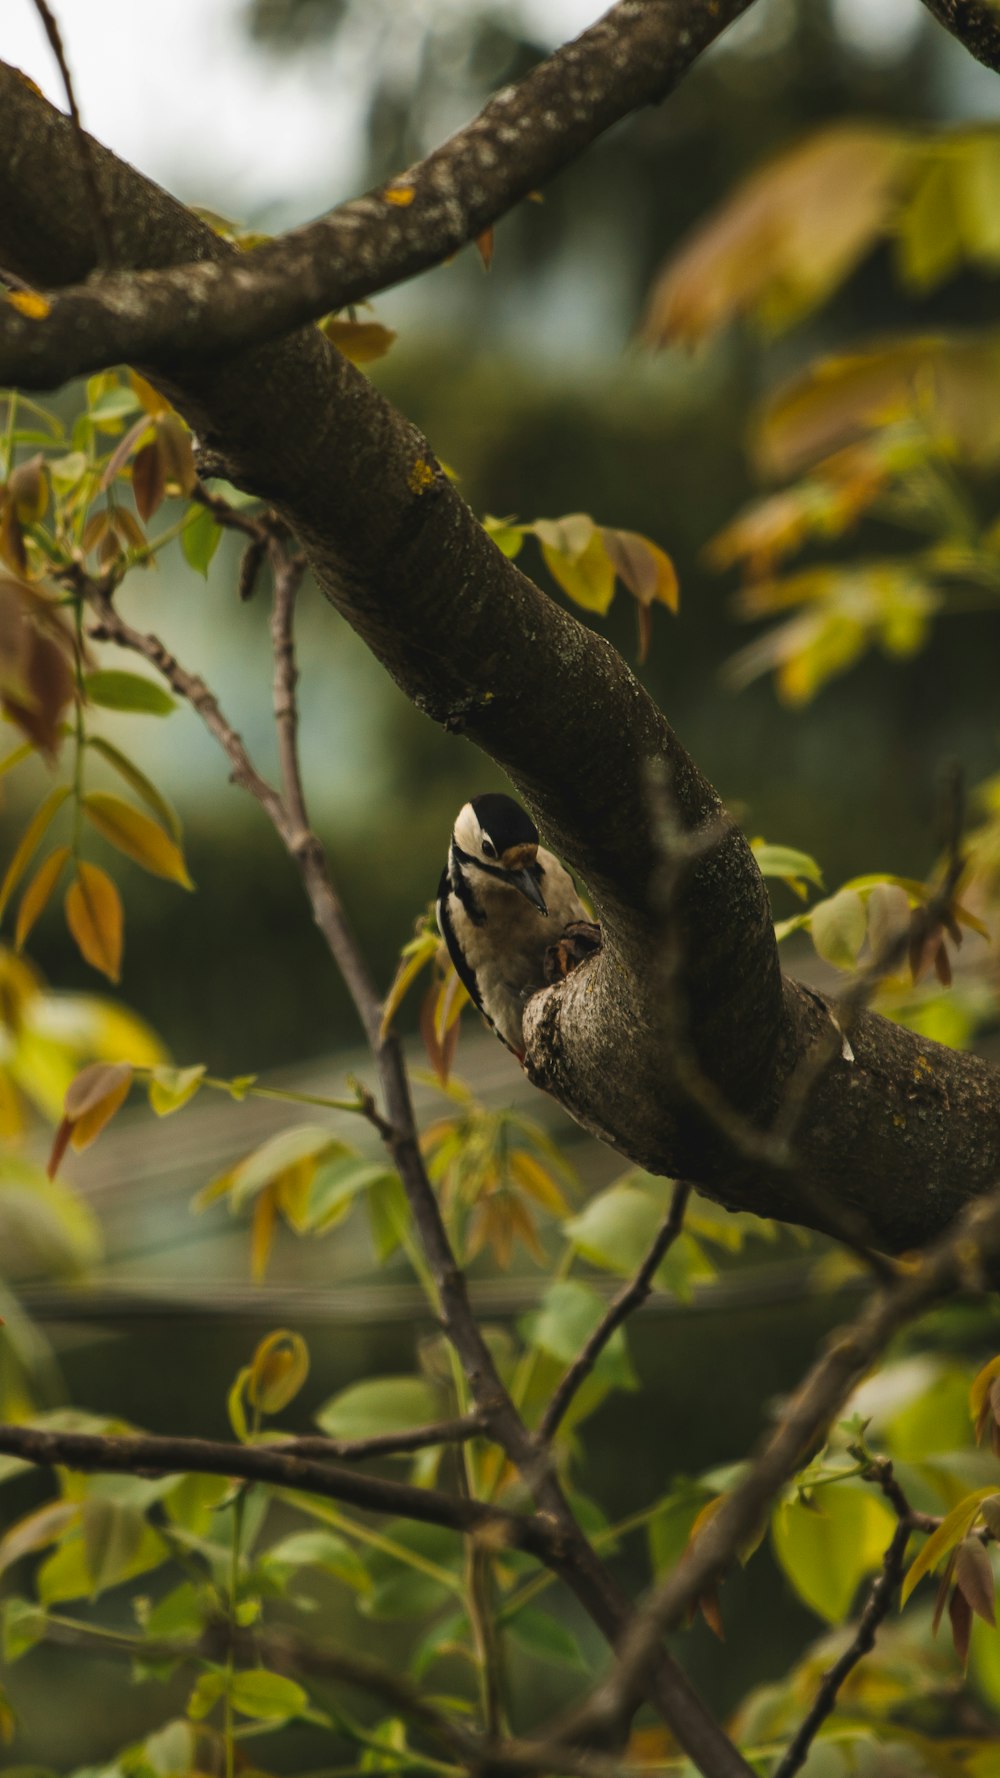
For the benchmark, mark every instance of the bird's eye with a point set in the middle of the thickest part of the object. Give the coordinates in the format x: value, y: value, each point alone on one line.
x: 489, y: 850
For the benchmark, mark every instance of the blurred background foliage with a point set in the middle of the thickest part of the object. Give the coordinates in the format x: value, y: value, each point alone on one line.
x: 532, y: 385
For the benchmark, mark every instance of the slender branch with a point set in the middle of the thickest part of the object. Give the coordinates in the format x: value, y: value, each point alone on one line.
x: 631, y: 1296
x: 876, y: 1610
x: 385, y: 1444
x: 525, y: 135
x: 288, y: 571
x: 146, y: 1454
x: 568, y: 1551
x: 959, y: 1260
x: 84, y: 144
x: 112, y: 627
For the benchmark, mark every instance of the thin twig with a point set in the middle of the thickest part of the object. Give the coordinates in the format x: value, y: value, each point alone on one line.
x: 146, y: 1454
x: 385, y: 1444
x: 631, y: 1296
x: 876, y: 1610
x: 88, y: 163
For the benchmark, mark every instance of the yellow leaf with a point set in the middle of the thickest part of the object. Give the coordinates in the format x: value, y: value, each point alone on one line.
x: 399, y: 194
x: 278, y: 1370
x: 360, y: 341
x: 418, y: 953
x: 951, y: 1531
x: 95, y: 918
x: 171, y: 1088
x: 262, y: 1231
x: 137, y: 836
x: 36, y: 896
x: 152, y: 401
x: 30, y: 841
x: 31, y: 303
x: 537, y: 1182
x: 981, y: 1385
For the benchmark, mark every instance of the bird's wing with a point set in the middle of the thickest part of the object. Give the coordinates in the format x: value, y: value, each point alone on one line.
x: 447, y: 931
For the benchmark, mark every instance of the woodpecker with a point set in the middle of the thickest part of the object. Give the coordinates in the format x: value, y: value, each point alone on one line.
x: 509, y: 913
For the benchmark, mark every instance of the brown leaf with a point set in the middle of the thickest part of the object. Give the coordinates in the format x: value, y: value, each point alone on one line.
x: 176, y: 452
x: 12, y: 539
x: 95, y: 919
x: 28, y: 490
x: 644, y: 568
x: 974, y: 1577
x: 960, y: 1615
x: 149, y: 479
x: 485, y: 243
x: 708, y: 1605
x: 60, y: 1143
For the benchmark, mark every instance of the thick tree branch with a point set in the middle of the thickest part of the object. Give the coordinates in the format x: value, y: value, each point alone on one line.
x: 632, y: 57
x: 976, y: 23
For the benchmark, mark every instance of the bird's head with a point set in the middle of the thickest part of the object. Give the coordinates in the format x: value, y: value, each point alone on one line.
x: 493, y: 837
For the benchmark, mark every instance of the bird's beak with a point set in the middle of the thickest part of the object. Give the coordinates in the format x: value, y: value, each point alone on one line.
x: 523, y: 880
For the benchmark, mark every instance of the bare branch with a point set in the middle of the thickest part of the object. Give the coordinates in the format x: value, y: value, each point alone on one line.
x: 876, y: 1610
x: 959, y: 1260
x: 632, y: 57
x: 385, y: 1444
x: 144, y: 1454
x: 84, y: 144
x: 631, y: 1296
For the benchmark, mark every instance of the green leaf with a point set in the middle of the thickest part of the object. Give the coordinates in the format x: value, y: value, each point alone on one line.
x: 24, y: 1626
x: 323, y: 1550
x: 507, y: 536
x: 269, y: 1697
x: 67, y: 1573
x: 792, y: 867
x: 828, y: 1547
x: 172, y: 1088
x: 670, y: 1529
x: 388, y: 1214
x: 838, y: 928
x: 303, y: 1142
x: 383, y: 1404
x: 200, y: 539
x: 569, y: 1314
x: 545, y: 1639
x: 401, y: 1591
x: 336, y: 1185
x: 616, y: 1229
x: 114, y: 689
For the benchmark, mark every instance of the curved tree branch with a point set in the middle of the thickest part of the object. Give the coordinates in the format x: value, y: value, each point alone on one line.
x: 976, y: 24
x: 527, y: 133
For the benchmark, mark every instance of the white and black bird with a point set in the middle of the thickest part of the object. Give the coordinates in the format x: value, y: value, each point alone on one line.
x: 509, y: 913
